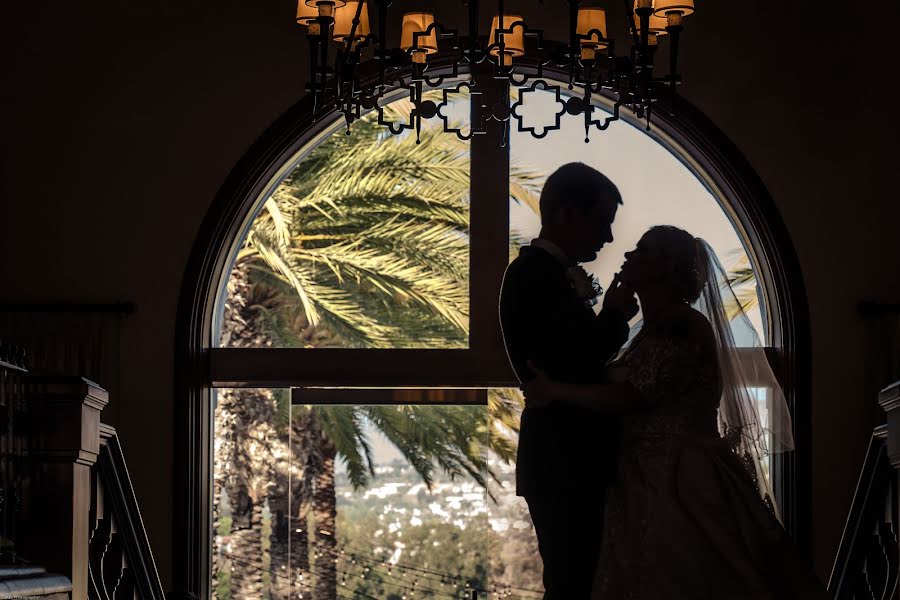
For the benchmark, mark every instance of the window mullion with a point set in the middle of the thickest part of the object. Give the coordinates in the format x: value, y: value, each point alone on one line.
x: 489, y: 229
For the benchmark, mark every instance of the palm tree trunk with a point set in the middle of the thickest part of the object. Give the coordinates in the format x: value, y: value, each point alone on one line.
x: 247, y: 578
x: 325, y: 518
x: 302, y: 452
x: 240, y: 464
x: 300, y: 572
x: 290, y: 542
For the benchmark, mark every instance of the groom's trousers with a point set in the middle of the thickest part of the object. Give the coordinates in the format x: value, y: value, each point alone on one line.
x: 569, y: 528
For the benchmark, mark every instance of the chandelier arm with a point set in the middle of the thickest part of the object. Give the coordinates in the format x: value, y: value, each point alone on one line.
x: 500, y: 37
x: 353, y: 25
x: 473, y: 38
x: 382, y: 41
x: 674, y: 38
x: 313, y: 65
x: 629, y: 18
x: 574, y: 42
x: 588, y: 109
x: 323, y: 66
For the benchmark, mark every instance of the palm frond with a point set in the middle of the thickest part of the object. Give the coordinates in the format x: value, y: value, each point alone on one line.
x: 343, y: 426
x: 742, y: 279
x: 406, y: 436
x: 504, y: 411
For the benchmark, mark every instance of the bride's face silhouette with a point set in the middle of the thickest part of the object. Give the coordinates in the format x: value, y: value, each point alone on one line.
x: 647, y: 265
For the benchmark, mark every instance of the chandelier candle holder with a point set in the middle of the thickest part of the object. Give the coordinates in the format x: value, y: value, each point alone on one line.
x: 515, y: 51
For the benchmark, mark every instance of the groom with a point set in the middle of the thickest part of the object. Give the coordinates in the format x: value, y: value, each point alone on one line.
x: 566, y: 455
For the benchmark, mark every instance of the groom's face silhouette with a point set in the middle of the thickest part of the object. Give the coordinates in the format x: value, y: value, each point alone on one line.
x: 578, y: 206
x: 588, y: 230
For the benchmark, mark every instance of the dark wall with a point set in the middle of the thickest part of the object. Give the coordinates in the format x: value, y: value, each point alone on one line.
x: 121, y: 120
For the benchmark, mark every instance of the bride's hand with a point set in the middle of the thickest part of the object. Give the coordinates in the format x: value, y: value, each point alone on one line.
x: 539, y: 391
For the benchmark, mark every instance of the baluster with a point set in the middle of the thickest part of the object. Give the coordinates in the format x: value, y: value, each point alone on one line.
x: 5, y: 476
x: 876, y: 567
x: 889, y: 545
x: 113, y: 561
x: 94, y: 516
x: 127, y: 589
x: 99, y: 544
x: 13, y: 474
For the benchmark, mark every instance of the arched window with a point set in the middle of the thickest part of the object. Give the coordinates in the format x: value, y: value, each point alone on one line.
x: 349, y: 413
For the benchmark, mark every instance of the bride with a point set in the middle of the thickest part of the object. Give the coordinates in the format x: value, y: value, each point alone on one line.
x: 692, y: 515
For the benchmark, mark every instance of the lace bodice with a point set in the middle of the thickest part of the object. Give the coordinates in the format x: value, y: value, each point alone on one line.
x: 677, y: 377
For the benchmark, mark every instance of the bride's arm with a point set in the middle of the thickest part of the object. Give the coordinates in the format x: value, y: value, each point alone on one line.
x: 597, y: 397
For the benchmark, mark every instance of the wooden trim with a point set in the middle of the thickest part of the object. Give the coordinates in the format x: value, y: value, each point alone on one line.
x: 488, y: 252
x: 389, y: 397
x: 874, y: 478
x: 118, y: 495
x: 301, y: 367
x: 121, y: 309
x: 752, y: 206
x: 889, y: 399
x: 64, y: 446
x: 290, y: 367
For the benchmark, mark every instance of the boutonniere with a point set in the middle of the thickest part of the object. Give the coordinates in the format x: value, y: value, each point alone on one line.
x: 586, y: 288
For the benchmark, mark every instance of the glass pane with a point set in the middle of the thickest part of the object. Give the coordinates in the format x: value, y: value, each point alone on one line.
x: 413, y: 529
x: 515, y: 565
x: 656, y: 186
x: 364, y: 243
x: 251, y: 505
x: 369, y: 501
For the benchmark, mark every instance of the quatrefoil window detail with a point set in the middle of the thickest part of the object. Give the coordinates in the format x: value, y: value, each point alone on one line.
x: 452, y: 122
x: 540, y: 106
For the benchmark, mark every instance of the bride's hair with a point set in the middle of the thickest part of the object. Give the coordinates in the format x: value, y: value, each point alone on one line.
x: 691, y: 268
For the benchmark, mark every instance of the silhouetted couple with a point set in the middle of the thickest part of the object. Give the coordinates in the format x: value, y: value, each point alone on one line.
x: 645, y: 469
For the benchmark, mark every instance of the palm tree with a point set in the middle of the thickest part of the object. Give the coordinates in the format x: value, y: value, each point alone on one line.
x: 742, y: 279
x: 365, y: 244
x: 245, y: 444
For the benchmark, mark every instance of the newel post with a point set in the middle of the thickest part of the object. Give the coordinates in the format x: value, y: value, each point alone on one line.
x: 65, y: 428
x: 889, y: 399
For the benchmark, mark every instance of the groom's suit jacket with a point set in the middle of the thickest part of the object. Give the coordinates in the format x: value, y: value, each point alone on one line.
x: 560, y: 447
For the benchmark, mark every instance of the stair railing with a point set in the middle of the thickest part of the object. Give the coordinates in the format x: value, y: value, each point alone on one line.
x: 867, y: 566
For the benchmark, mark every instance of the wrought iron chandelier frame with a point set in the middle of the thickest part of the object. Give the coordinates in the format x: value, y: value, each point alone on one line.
x: 589, y: 59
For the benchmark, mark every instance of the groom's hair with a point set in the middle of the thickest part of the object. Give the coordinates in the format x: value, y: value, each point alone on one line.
x: 576, y: 184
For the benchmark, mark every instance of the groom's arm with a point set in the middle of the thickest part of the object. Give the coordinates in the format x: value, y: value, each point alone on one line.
x: 543, y: 323
x: 531, y: 317
x: 610, y: 330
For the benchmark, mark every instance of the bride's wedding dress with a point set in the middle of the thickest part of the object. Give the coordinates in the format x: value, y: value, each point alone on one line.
x: 686, y: 519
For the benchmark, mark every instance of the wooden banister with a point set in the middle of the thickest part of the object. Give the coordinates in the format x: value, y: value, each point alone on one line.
x: 65, y: 444
x: 121, y: 562
x: 65, y: 494
x: 867, y: 565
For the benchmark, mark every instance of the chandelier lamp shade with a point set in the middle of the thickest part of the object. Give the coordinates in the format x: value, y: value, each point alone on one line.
x: 341, y: 39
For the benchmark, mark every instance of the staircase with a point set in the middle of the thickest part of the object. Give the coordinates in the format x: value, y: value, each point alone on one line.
x: 33, y: 582
x: 69, y: 520
x: 867, y: 566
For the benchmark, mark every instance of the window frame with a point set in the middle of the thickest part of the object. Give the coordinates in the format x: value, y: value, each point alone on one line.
x: 200, y: 366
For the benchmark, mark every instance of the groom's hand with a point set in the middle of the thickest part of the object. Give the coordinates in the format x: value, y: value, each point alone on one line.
x: 620, y: 297
x: 540, y: 390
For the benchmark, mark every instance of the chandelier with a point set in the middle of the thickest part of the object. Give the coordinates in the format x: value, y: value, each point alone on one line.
x: 516, y: 54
